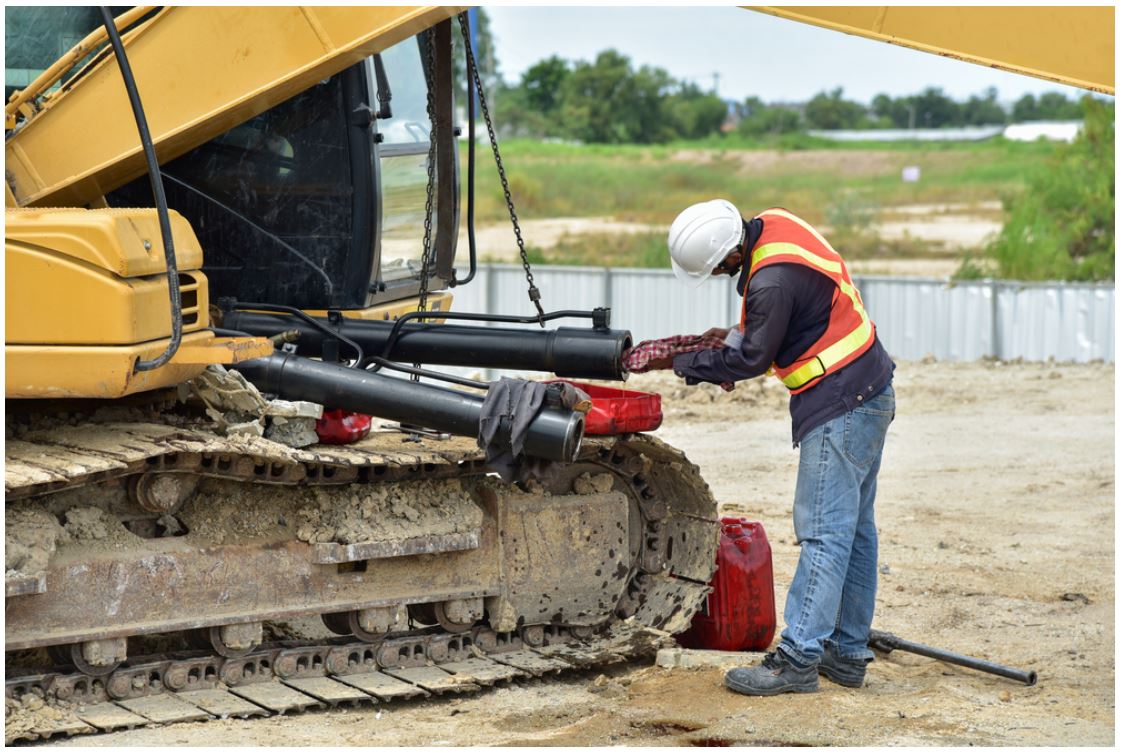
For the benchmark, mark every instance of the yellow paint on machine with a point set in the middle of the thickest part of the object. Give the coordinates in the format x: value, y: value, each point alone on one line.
x: 96, y: 277
x: 200, y: 71
x: 65, y: 371
x: 1065, y: 44
x: 437, y: 302
x: 86, y: 297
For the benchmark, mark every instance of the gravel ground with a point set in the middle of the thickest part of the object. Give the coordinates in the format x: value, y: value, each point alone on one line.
x: 996, y: 514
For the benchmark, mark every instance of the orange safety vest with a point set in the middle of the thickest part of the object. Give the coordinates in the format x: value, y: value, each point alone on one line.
x: 787, y: 238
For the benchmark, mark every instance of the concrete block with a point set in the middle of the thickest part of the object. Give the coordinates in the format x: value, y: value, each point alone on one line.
x: 676, y: 657
x: 294, y: 409
x: 294, y: 432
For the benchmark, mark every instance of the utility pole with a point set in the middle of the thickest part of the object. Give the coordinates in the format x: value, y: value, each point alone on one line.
x: 716, y: 83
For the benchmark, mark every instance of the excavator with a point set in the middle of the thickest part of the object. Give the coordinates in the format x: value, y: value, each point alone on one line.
x: 225, y: 225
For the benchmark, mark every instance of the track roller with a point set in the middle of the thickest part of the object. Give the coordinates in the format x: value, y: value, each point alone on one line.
x: 370, y: 624
x: 234, y: 640
x: 97, y: 658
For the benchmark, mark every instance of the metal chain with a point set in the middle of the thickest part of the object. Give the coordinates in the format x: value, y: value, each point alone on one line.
x: 426, y: 248
x: 534, y: 293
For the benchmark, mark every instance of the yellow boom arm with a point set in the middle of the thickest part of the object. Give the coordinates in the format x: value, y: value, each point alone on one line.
x: 1068, y: 45
x: 200, y: 72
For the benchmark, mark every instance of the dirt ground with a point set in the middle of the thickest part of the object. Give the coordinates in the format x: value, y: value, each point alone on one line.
x: 996, y: 518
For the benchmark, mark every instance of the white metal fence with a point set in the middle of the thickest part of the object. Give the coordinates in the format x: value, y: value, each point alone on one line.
x: 915, y: 317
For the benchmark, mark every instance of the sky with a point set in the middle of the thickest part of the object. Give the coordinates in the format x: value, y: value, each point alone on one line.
x: 752, y: 53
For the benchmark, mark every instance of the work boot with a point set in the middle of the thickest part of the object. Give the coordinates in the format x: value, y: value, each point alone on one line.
x: 777, y: 675
x: 841, y: 669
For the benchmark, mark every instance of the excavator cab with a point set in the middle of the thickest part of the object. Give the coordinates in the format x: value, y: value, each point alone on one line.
x: 318, y: 203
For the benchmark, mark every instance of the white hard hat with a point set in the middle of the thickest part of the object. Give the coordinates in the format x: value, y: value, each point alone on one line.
x: 701, y: 237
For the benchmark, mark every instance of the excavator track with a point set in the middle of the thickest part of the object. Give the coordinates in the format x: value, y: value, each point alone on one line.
x: 290, y: 677
x: 591, y: 562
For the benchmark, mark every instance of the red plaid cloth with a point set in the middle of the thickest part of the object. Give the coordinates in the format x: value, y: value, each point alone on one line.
x: 638, y: 359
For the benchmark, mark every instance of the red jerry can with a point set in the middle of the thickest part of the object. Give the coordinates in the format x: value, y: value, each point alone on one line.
x: 739, y: 614
x: 339, y: 427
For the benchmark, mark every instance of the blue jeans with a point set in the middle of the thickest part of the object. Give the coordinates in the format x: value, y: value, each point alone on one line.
x: 833, y: 593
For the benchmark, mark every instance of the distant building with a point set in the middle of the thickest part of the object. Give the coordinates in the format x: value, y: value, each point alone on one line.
x: 1052, y: 130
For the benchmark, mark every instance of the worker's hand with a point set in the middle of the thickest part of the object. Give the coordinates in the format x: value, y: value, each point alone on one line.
x: 716, y: 332
x: 662, y: 362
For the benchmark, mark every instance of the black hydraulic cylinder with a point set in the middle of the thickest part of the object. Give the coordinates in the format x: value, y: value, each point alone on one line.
x: 566, y: 351
x: 886, y: 642
x: 553, y: 434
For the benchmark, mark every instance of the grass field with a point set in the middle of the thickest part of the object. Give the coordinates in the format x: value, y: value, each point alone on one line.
x: 843, y: 186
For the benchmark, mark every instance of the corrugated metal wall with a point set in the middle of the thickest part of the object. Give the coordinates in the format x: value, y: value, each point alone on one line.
x: 916, y: 317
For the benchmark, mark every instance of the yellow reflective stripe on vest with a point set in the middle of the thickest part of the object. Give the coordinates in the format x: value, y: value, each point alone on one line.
x: 799, y: 221
x: 839, y: 351
x: 834, y: 354
x: 775, y: 249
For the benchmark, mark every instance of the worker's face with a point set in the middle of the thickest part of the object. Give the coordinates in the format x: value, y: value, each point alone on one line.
x: 730, y: 265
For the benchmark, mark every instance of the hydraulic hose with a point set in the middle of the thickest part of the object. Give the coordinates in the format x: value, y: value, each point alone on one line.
x: 471, y: 248
x: 157, y: 192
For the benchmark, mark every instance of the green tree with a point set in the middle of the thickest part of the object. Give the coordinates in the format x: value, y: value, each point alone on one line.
x: 831, y: 111
x: 891, y: 113
x: 694, y: 114
x: 608, y: 101
x: 1049, y: 106
x: 1061, y: 226
x: 983, y: 110
x: 1025, y: 108
x: 933, y: 109
x: 758, y: 119
x: 1056, y: 106
x: 543, y: 82
x: 532, y: 106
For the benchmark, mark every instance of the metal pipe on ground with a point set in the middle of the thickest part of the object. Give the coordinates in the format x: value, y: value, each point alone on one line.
x: 553, y: 434
x: 566, y: 351
x: 886, y: 642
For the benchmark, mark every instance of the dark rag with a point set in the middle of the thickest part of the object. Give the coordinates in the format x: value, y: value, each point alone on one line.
x: 516, y: 401
x: 638, y: 359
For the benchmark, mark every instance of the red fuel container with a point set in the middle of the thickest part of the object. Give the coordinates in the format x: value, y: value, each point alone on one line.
x: 739, y: 614
x: 615, y: 411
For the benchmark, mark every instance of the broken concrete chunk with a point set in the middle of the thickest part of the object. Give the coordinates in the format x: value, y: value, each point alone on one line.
x: 294, y: 409
x: 248, y: 429
x: 293, y: 432
x: 229, y: 397
x: 676, y: 657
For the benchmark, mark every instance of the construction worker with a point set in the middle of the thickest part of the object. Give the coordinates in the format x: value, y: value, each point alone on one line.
x: 802, y: 318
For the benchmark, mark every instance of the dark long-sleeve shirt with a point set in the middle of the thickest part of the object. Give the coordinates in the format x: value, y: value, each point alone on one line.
x: 788, y: 309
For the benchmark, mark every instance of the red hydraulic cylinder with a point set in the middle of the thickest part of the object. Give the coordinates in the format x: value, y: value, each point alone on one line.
x: 739, y: 614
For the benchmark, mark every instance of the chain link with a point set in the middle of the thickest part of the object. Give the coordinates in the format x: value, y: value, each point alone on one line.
x: 534, y: 293
x: 426, y: 248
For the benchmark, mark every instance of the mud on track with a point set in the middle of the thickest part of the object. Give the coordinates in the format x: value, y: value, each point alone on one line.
x: 996, y: 517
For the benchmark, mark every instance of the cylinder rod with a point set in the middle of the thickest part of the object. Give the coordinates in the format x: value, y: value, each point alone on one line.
x: 566, y: 351
x: 553, y: 434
